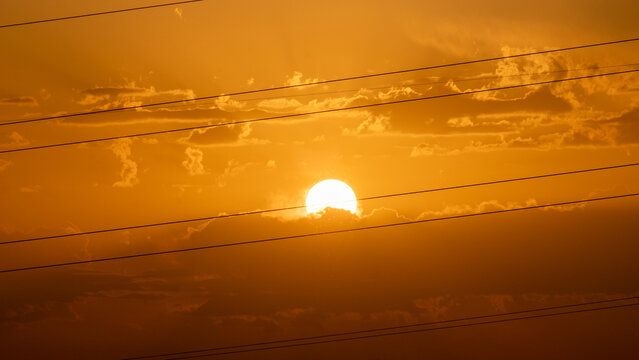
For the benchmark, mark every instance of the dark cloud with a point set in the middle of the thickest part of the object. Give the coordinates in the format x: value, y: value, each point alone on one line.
x: 51, y: 294
x: 113, y: 91
x: 626, y: 127
x: 616, y: 131
x: 433, y: 116
x: 334, y: 283
x: 542, y: 133
x: 19, y: 101
x: 177, y: 114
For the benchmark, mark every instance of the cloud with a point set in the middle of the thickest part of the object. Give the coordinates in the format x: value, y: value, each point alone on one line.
x: 451, y: 306
x: 460, y: 122
x: 542, y: 117
x: 494, y: 205
x: 187, y: 113
x: 484, y: 206
x: 222, y: 110
x: 290, y: 105
x: 30, y: 189
x: 193, y: 162
x: 150, y: 141
x: 521, y: 70
x: 4, y: 164
x: 279, y: 105
x: 426, y: 149
x: 109, y: 92
x: 334, y: 103
x: 297, y: 79
x: 15, y: 140
x: 219, y: 135
x: 624, y: 128
x: 233, y: 169
x: 19, y: 101
x: 436, y: 307
x: 129, y: 171
x: 585, y: 135
x: 493, y: 143
x: 129, y: 94
x: 575, y: 130
x: 54, y: 296
x: 228, y: 104
x: 373, y: 124
x: 243, y: 288
x: 397, y: 92
x: 194, y: 229
x: 446, y: 116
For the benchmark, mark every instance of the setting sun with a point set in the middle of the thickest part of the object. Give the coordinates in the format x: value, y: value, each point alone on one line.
x: 319, y: 179
x: 331, y: 193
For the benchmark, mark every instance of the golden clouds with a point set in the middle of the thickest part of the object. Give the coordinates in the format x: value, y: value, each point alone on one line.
x: 129, y: 168
x: 220, y: 135
x: 129, y: 94
x: 193, y: 162
x: 298, y: 79
x: 233, y: 168
x: 338, y: 282
x: 373, y: 124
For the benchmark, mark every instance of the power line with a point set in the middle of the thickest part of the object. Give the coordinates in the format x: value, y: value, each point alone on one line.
x: 322, y: 233
x: 457, y: 80
x: 297, y: 207
x: 158, y: 132
x: 389, y: 328
x: 98, y: 13
x: 393, y: 333
x: 358, y: 77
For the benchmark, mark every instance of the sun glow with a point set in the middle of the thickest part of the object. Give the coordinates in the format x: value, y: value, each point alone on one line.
x: 331, y: 193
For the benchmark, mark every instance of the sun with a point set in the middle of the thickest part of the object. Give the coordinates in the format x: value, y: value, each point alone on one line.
x: 331, y: 193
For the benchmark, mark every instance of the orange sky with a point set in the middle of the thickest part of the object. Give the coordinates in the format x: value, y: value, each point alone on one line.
x: 325, y: 284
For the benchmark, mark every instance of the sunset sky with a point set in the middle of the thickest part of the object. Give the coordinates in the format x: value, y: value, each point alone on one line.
x: 324, y: 284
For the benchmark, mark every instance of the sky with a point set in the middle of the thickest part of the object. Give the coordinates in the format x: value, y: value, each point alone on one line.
x: 323, y: 284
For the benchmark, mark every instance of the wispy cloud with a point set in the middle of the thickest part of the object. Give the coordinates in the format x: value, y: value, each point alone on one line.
x: 19, y: 101
x: 129, y: 168
x: 193, y: 162
x: 14, y: 139
x: 4, y: 164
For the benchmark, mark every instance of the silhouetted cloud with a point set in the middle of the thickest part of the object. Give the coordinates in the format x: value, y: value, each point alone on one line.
x: 20, y: 101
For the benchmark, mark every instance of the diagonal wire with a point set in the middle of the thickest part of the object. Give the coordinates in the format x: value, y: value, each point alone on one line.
x: 299, y: 236
x: 326, y: 111
x: 358, y: 77
x: 298, y: 207
x: 415, y: 84
x: 193, y: 354
x: 97, y: 14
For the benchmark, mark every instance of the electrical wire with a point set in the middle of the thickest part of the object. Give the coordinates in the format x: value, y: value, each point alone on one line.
x: 298, y: 236
x: 416, y: 84
x: 281, y: 344
x: 358, y: 77
x: 297, y: 207
x: 97, y: 14
x: 277, y: 117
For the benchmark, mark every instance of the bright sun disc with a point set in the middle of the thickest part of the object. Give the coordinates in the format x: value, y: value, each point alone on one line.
x: 331, y: 193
